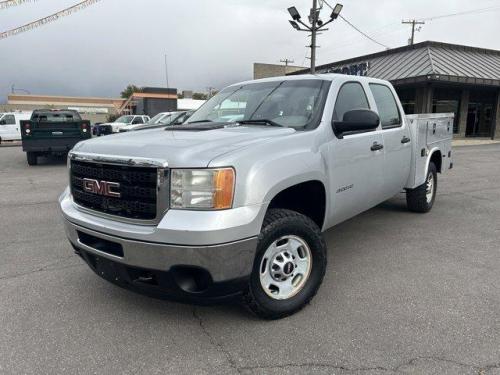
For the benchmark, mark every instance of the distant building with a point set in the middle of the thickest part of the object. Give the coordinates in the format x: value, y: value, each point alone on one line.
x: 151, y: 101
x: 261, y: 70
x: 93, y: 109
x: 437, y: 77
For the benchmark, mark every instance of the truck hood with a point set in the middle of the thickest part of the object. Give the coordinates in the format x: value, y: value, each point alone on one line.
x: 182, y: 148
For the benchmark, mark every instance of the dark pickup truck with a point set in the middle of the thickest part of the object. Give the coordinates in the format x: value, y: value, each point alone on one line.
x: 52, y: 132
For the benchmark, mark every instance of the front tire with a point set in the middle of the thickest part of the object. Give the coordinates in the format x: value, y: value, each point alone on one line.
x: 421, y: 199
x: 289, y: 266
x: 32, y: 158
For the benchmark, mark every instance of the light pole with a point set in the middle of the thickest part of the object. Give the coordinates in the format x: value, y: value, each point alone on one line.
x: 166, y: 71
x: 315, y: 25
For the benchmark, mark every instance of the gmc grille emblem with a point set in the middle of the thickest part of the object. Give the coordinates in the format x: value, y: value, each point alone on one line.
x: 105, y: 188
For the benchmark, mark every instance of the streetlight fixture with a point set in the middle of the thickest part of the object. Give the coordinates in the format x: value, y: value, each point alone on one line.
x: 315, y: 25
x: 294, y: 13
x: 336, y: 11
x: 295, y: 25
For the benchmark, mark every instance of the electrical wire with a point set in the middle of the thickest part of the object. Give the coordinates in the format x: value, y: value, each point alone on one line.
x: 51, y: 18
x: 356, y: 28
x: 472, y: 11
x: 363, y: 33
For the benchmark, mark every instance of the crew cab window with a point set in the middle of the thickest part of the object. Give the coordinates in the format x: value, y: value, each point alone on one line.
x: 387, y: 107
x: 9, y: 120
x: 138, y: 120
x: 351, y: 96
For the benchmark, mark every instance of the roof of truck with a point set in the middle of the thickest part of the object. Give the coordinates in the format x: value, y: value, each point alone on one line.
x: 323, y: 77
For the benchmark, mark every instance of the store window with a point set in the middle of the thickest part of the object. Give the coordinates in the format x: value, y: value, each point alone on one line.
x: 480, y: 113
x: 445, y: 101
x: 407, y: 96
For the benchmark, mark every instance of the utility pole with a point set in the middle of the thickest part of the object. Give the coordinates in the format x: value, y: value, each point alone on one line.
x: 286, y: 62
x: 413, y: 24
x: 314, y: 29
x: 316, y: 24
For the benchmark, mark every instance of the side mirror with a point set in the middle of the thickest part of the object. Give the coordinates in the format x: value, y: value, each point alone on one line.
x: 357, y: 120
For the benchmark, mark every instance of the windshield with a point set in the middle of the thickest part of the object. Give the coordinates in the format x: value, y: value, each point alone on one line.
x: 155, y: 119
x: 167, y: 120
x: 125, y: 119
x: 297, y: 104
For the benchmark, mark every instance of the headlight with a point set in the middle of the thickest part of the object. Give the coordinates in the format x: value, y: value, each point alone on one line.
x: 203, y: 189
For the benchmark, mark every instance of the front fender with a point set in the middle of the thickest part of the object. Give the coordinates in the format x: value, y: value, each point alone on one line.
x: 270, y: 176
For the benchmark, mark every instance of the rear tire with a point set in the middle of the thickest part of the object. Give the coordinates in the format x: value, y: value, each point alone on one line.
x: 421, y: 199
x: 32, y: 158
x: 289, y: 266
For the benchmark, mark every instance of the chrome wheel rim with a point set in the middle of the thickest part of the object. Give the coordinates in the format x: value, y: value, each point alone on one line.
x: 430, y: 188
x: 285, y: 267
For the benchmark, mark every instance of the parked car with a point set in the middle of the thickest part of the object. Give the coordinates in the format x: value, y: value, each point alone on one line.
x: 120, y: 122
x: 52, y: 132
x: 166, y: 119
x: 95, y: 128
x: 211, y: 210
x: 10, y: 125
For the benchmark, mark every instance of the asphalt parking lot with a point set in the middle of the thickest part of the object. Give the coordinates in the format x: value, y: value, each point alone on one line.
x: 404, y: 293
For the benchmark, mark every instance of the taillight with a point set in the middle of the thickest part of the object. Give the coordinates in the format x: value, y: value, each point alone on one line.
x: 84, y: 128
x: 27, y: 128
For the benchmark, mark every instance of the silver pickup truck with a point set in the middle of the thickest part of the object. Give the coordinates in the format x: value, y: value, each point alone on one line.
x: 233, y: 203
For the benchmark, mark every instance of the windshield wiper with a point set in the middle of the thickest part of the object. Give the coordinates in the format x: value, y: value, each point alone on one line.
x: 260, y: 122
x: 195, y: 122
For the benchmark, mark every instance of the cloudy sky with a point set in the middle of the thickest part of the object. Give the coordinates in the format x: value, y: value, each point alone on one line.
x: 98, y: 51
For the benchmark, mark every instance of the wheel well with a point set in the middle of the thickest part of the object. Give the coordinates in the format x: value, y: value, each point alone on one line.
x: 437, y: 159
x: 307, y: 198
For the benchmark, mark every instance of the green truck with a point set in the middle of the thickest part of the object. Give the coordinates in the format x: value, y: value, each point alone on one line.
x: 52, y: 131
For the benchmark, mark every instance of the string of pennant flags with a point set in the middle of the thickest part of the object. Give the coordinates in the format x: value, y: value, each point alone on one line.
x: 42, y: 21
x: 10, y: 3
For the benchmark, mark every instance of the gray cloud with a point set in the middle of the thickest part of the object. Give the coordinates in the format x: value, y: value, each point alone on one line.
x: 209, y: 43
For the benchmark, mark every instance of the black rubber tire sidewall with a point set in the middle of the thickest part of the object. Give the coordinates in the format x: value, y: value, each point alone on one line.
x: 417, y: 198
x: 290, y: 223
x: 32, y: 158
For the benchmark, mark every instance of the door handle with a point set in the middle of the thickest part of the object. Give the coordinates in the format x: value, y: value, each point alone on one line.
x: 376, y: 146
x: 405, y: 139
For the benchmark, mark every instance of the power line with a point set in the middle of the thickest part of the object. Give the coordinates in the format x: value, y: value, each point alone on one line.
x: 357, y: 29
x: 472, y: 11
x: 363, y: 33
x: 51, y: 18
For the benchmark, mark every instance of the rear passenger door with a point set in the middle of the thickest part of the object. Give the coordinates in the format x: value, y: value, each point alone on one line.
x: 396, y: 135
x: 356, y: 166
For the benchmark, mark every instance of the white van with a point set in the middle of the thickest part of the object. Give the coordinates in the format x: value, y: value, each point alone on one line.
x: 10, y: 128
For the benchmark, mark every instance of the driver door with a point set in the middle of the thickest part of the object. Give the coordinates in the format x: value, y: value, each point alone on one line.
x: 356, y: 160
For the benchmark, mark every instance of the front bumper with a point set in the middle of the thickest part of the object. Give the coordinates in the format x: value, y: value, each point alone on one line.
x: 190, y: 260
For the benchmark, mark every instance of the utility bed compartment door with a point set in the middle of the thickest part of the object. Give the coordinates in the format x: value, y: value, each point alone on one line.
x: 430, y: 132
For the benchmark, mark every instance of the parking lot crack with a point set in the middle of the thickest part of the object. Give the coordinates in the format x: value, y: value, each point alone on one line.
x: 47, y: 268
x: 481, y: 370
x: 309, y: 365
x: 214, y: 342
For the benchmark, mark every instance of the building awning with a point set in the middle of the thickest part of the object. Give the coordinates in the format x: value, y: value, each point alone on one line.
x: 422, y: 62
